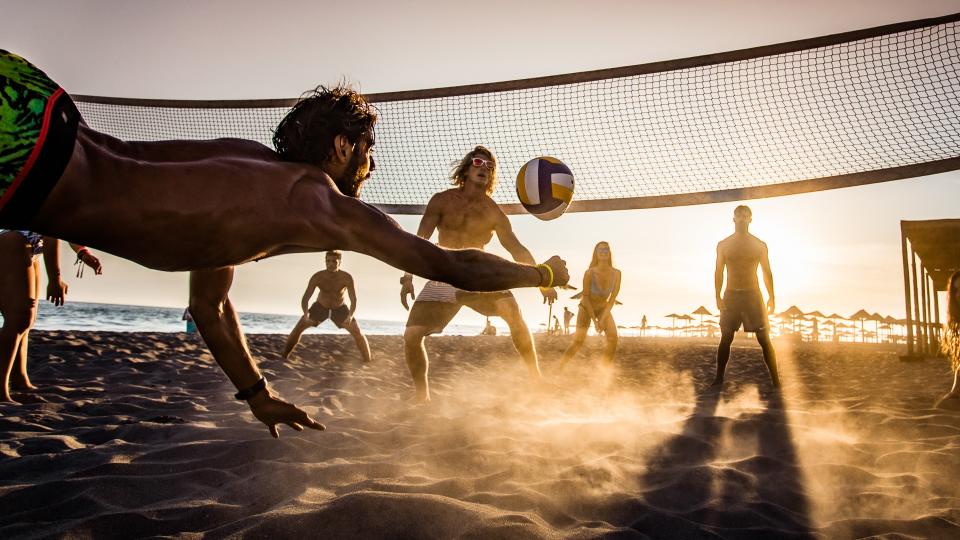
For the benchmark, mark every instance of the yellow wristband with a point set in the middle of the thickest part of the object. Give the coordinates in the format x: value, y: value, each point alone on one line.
x: 549, y: 273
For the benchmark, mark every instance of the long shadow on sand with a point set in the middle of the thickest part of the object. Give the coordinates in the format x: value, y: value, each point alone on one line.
x: 690, y: 495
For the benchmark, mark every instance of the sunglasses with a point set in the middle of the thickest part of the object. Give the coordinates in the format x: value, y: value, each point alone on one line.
x: 489, y: 164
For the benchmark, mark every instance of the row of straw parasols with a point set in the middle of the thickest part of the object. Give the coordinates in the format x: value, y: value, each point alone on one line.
x: 798, y: 320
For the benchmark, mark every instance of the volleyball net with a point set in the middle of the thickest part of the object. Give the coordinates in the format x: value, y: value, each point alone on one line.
x: 842, y: 110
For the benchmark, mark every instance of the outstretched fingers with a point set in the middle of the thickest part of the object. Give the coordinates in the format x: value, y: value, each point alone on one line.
x: 310, y: 423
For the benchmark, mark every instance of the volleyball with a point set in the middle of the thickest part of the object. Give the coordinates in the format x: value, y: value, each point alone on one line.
x: 545, y: 187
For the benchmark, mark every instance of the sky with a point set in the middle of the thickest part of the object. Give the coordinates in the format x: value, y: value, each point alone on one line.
x: 833, y: 251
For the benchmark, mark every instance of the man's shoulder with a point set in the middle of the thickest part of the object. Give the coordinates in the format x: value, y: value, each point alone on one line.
x: 757, y: 241
x: 446, y: 195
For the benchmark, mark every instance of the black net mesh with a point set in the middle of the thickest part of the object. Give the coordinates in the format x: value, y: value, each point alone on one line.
x: 865, y: 105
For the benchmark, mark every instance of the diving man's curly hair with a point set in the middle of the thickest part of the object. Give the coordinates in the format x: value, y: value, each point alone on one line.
x: 306, y: 134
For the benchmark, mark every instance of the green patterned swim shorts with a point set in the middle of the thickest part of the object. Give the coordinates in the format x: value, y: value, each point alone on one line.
x: 38, y: 128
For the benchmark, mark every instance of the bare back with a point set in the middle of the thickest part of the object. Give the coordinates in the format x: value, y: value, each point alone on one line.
x: 742, y: 254
x: 179, y: 187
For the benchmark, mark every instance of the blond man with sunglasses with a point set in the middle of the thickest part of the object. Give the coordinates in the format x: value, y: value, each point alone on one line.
x: 466, y: 217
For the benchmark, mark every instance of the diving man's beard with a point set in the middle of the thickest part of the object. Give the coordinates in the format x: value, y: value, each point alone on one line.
x: 350, y: 182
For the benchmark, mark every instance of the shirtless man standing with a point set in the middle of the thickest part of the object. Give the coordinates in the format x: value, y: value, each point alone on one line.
x: 331, y: 283
x: 205, y: 206
x: 742, y: 303
x: 466, y: 217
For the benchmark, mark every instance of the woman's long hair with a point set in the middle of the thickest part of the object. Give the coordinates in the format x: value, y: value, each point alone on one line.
x: 595, y: 260
x: 950, y: 344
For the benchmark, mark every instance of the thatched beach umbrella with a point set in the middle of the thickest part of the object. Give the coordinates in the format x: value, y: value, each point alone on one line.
x: 861, y: 316
x: 833, y: 320
x: 673, y: 316
x: 686, y: 319
x: 892, y: 323
x: 844, y: 325
x: 701, y: 311
x: 815, y: 316
x: 792, y: 313
x: 877, y: 318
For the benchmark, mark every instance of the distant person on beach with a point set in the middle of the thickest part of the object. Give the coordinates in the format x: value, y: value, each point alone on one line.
x: 20, y: 293
x: 567, y: 316
x: 557, y: 331
x: 331, y: 285
x: 191, y: 327
x: 950, y: 343
x: 489, y: 329
x: 207, y: 205
x: 601, y: 285
x: 466, y: 217
x: 643, y: 325
x: 741, y: 302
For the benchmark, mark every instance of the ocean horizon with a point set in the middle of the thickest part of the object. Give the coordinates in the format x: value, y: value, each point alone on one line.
x: 93, y: 316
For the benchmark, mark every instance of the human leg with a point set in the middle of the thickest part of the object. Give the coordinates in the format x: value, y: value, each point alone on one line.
x: 19, y: 378
x: 295, y: 334
x: 504, y: 305
x: 579, y: 335
x: 361, y: 340
x: 416, y: 356
x: 723, y: 354
x: 613, y: 339
x: 426, y: 317
x: 769, y: 356
x: 17, y: 276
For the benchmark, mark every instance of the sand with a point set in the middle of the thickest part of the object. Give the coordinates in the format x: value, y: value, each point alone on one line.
x: 137, y: 434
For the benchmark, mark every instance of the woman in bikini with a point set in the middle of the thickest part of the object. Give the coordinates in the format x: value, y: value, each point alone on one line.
x: 950, y: 344
x: 601, y: 285
x: 19, y: 291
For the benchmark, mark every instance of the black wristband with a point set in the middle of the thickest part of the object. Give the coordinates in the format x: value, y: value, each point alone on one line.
x: 248, y: 393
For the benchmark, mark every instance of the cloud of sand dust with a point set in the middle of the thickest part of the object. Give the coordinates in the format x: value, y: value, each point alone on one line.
x: 848, y: 472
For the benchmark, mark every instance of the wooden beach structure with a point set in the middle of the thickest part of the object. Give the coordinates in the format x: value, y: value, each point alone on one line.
x: 931, y: 253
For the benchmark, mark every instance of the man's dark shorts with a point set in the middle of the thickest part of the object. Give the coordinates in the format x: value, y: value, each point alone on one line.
x: 438, y: 303
x: 743, y: 307
x: 338, y: 315
x: 38, y: 129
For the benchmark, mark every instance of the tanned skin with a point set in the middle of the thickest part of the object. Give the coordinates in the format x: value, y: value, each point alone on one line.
x: 19, y: 301
x: 206, y: 206
x: 740, y: 254
x: 332, y: 285
x: 466, y: 217
x: 607, y: 277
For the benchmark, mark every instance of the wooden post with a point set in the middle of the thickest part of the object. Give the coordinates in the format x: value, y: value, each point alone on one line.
x: 916, y: 301
x: 938, y: 328
x: 932, y: 346
x: 925, y: 313
x: 906, y: 290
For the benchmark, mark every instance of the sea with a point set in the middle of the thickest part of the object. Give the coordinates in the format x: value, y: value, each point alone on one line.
x: 124, y: 318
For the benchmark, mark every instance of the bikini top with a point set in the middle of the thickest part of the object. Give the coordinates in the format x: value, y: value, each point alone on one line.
x: 596, y: 290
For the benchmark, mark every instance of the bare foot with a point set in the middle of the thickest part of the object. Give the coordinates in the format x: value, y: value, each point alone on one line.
x: 717, y: 382
x: 22, y: 385
x: 419, y: 399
